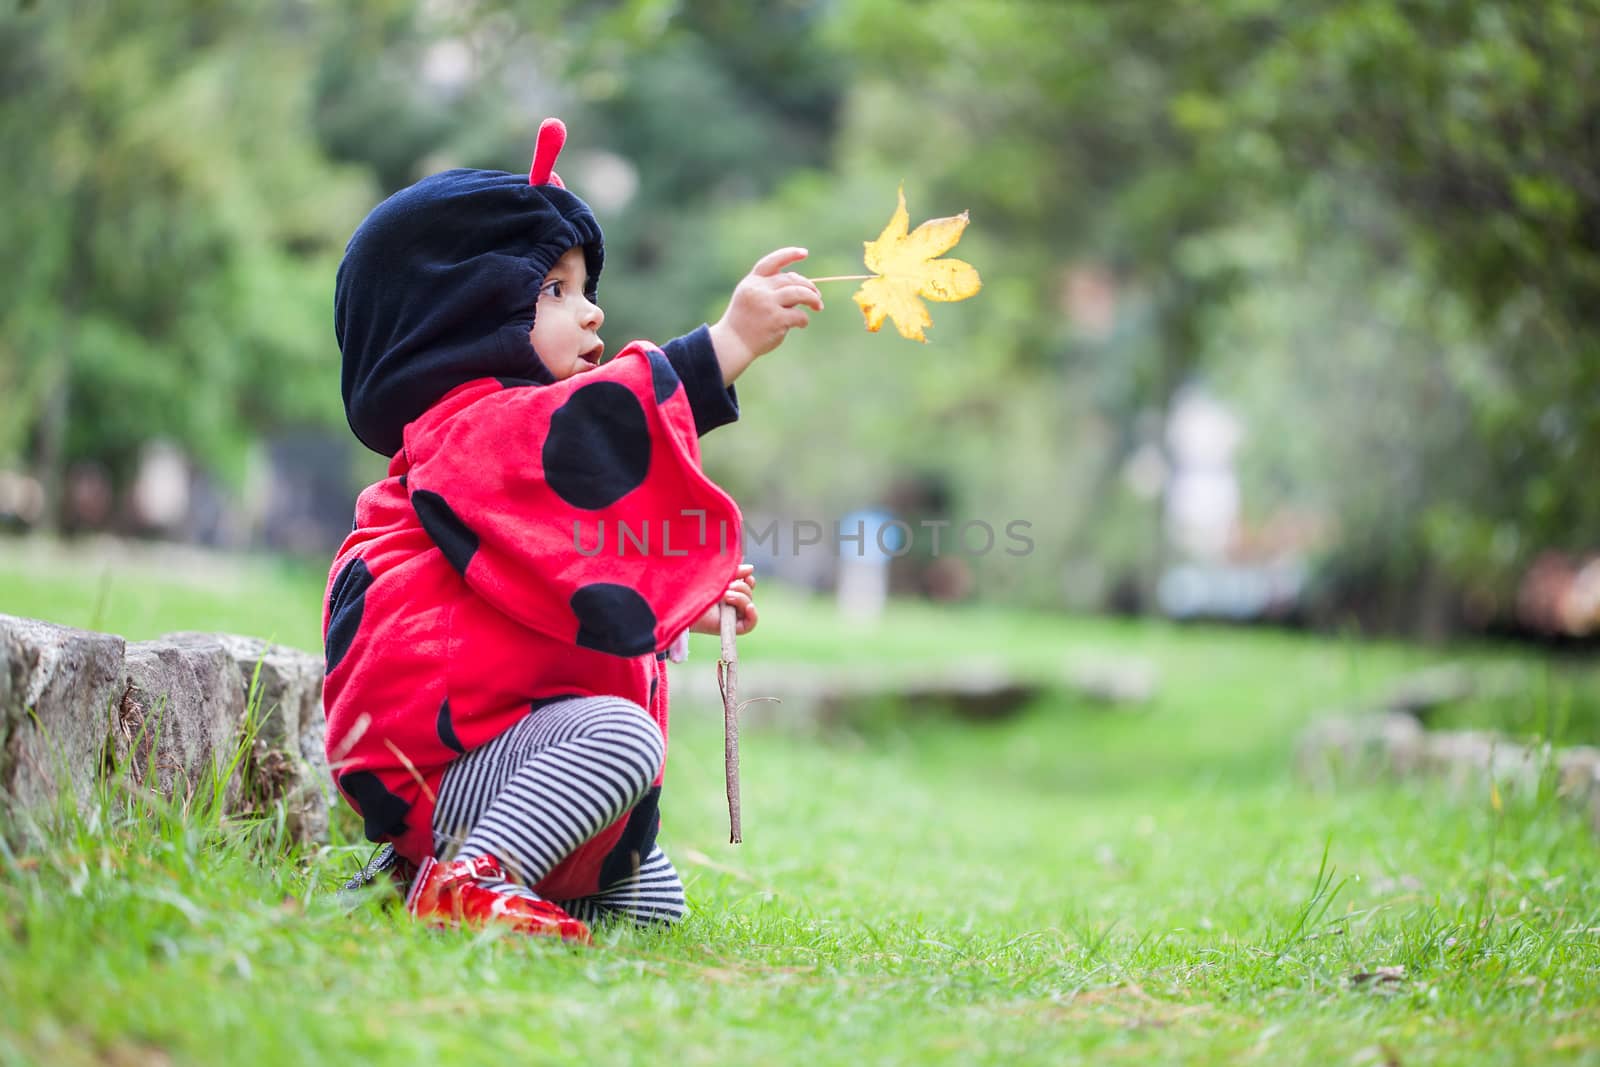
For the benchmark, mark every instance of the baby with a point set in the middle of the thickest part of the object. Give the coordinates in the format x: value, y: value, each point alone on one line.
x: 496, y: 689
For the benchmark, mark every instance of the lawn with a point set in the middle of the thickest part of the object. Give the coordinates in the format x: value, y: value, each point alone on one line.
x: 1072, y: 884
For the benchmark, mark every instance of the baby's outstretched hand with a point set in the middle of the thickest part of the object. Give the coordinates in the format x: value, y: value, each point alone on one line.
x: 767, y: 303
x: 740, y: 595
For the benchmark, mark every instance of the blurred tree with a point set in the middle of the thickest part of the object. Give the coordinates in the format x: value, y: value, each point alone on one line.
x: 172, y: 230
x: 1456, y: 143
x: 185, y: 219
x: 1376, y: 222
x: 1059, y: 125
x: 1442, y: 151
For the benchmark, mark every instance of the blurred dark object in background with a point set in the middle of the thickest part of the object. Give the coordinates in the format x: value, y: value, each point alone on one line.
x: 308, y: 504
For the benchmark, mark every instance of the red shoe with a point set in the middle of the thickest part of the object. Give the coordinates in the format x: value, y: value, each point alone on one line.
x: 449, y: 895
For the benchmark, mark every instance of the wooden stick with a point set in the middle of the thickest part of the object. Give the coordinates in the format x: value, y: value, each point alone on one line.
x: 844, y: 278
x: 728, y: 682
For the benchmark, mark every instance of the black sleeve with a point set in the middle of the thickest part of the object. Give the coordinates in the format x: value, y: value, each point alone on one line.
x: 696, y: 363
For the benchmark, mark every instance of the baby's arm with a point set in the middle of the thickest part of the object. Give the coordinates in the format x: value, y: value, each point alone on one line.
x: 766, y: 305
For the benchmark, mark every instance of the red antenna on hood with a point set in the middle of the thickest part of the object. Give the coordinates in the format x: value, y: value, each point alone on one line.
x: 552, y: 135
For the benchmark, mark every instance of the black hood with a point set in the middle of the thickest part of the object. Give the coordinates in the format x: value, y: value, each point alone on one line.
x: 438, y: 287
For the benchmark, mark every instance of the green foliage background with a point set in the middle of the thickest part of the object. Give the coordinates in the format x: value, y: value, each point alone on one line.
x: 1372, y: 226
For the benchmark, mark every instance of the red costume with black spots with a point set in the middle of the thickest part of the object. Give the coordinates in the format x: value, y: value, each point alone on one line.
x: 486, y: 574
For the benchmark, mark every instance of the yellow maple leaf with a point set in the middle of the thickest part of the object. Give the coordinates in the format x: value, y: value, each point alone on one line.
x: 908, y: 267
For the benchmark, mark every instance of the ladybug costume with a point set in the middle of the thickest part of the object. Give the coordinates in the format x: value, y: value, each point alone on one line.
x: 534, y: 539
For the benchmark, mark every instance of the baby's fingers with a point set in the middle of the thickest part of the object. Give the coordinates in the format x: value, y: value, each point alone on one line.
x: 795, y: 295
x: 776, y: 260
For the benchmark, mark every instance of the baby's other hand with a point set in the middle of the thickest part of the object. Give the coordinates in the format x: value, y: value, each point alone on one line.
x: 740, y: 595
x: 766, y: 305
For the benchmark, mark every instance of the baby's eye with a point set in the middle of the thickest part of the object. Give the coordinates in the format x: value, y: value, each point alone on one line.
x: 551, y: 289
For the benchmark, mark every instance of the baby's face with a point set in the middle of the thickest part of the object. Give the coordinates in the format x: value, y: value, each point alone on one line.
x: 566, y: 324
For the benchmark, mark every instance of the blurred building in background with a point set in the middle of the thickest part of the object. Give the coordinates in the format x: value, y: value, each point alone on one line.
x: 1218, y: 571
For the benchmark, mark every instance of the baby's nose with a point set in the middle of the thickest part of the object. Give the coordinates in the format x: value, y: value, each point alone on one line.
x: 593, y: 316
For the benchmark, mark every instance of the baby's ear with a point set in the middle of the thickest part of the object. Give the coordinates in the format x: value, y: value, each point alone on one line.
x: 552, y: 136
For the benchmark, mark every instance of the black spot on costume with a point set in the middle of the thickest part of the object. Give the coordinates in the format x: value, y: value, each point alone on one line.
x: 346, y: 602
x: 383, y: 814
x: 597, y: 450
x: 447, y: 729
x: 613, y: 618
x: 454, y: 538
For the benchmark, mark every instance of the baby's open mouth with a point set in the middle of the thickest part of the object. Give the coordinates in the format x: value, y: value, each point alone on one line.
x: 594, y: 355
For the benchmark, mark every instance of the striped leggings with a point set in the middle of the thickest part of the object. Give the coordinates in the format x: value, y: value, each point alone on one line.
x: 541, y: 789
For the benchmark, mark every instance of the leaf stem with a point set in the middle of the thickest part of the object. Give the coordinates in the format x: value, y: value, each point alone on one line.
x: 845, y: 278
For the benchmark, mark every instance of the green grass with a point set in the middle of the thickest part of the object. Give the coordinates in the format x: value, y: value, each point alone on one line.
x: 142, y: 592
x: 1070, y: 885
